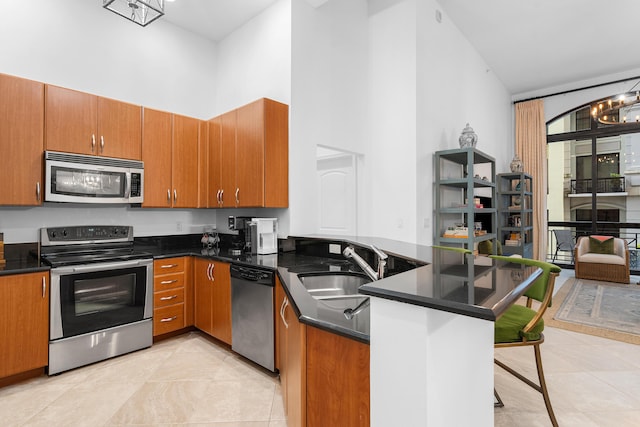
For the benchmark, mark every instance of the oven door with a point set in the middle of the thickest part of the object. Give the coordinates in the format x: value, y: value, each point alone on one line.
x: 92, y: 297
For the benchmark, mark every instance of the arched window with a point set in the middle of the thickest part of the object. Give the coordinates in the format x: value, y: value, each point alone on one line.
x: 594, y: 173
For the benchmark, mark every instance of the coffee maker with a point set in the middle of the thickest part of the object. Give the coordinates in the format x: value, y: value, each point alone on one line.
x: 263, y: 235
x: 241, y: 243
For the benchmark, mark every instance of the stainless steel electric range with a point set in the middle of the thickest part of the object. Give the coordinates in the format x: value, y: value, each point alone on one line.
x: 101, y: 294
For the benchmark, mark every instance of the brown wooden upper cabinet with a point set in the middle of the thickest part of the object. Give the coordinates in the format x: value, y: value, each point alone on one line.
x: 79, y: 122
x: 21, y: 141
x: 170, y: 149
x: 248, y: 156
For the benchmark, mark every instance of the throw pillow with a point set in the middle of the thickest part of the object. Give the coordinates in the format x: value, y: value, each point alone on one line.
x: 601, y: 245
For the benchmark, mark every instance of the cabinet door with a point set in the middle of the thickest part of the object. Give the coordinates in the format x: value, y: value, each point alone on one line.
x: 228, y: 158
x: 70, y: 121
x: 156, y: 155
x: 221, y: 302
x: 341, y: 397
x: 203, y: 164
x: 214, y: 169
x: 281, y: 343
x: 185, y: 162
x: 250, y: 155
x: 203, y: 296
x: 24, y: 322
x: 276, y: 161
x: 296, y: 370
x: 119, y: 129
x: 21, y: 141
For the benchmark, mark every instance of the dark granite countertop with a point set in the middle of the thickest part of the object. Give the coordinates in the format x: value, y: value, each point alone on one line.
x: 22, y: 258
x: 467, y: 285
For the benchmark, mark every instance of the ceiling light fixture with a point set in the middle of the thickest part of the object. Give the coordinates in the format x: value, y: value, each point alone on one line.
x: 142, y: 12
x: 620, y: 109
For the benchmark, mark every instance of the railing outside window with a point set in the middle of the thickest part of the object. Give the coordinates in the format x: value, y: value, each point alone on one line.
x: 627, y: 231
x: 604, y: 185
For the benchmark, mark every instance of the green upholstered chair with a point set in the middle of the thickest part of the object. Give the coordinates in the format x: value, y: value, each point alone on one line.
x: 454, y: 249
x: 522, y: 325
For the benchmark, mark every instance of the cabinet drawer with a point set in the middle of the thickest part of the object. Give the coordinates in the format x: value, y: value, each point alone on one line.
x: 168, y: 281
x: 168, y: 265
x: 168, y: 297
x: 168, y: 319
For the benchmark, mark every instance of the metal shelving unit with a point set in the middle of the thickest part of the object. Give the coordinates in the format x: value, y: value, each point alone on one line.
x: 455, y: 186
x: 515, y: 213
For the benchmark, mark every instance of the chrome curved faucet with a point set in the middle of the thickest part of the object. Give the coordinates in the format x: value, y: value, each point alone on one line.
x: 350, y: 252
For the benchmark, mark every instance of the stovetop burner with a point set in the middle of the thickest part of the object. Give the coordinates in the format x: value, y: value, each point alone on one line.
x: 91, y: 257
x: 77, y: 245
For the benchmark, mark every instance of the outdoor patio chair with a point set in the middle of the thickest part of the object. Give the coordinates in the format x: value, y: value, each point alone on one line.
x: 564, y: 242
x: 522, y: 326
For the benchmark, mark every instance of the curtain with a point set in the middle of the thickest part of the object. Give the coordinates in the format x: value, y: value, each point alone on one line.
x: 531, y: 147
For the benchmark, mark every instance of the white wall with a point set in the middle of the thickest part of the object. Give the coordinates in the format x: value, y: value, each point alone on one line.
x: 423, y: 82
x: 328, y: 96
x: 391, y: 149
x: 79, y: 45
x: 255, y: 60
x: 455, y: 87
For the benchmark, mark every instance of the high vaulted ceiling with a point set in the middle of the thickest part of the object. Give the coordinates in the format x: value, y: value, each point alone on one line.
x: 537, y: 44
x: 213, y: 19
x: 530, y: 45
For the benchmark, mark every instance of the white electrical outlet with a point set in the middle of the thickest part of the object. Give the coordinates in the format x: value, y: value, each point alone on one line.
x: 334, y: 248
x: 178, y: 226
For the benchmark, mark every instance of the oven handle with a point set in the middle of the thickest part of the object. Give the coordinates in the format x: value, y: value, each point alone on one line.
x: 103, y: 266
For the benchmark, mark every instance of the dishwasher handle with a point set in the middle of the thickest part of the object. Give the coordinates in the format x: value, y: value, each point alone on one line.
x: 261, y: 277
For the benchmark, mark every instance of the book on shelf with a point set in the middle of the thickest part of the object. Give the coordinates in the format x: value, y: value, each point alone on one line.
x: 512, y: 242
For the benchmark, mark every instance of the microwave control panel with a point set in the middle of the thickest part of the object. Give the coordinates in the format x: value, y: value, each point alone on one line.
x: 136, y: 185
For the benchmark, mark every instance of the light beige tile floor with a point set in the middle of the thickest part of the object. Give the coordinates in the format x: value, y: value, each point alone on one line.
x: 189, y: 380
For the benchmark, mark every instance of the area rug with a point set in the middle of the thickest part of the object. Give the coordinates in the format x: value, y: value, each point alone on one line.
x: 597, y: 308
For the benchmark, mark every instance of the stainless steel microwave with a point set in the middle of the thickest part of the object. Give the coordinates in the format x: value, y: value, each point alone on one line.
x: 77, y: 178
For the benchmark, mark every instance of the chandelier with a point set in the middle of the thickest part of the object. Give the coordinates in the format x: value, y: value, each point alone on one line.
x: 142, y: 12
x: 620, y: 109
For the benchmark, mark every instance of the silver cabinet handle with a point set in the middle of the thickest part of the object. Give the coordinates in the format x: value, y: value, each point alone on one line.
x: 209, y: 271
x: 283, y: 307
x: 37, y: 191
x: 101, y: 143
x: 44, y: 286
x: 237, y: 195
x: 218, y: 196
x: 168, y: 195
x: 168, y: 298
x: 175, y: 195
x: 168, y: 265
x: 93, y: 142
x: 169, y: 319
x: 221, y: 197
x: 168, y: 282
x: 213, y: 277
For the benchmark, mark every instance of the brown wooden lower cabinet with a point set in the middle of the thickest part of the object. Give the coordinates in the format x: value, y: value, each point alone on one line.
x: 24, y: 322
x: 212, y: 281
x: 324, y: 377
x: 173, y: 295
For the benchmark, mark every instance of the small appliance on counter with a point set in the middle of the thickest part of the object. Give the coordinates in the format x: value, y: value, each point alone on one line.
x: 264, y: 235
x: 242, y: 242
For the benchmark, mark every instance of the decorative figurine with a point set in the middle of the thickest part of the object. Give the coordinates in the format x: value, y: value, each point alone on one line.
x: 516, y: 164
x: 468, y: 138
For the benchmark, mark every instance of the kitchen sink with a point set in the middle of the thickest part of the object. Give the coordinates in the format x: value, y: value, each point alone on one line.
x: 325, y: 285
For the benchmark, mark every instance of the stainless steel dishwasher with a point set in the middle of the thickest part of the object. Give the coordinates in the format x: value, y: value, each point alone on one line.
x: 252, y: 318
